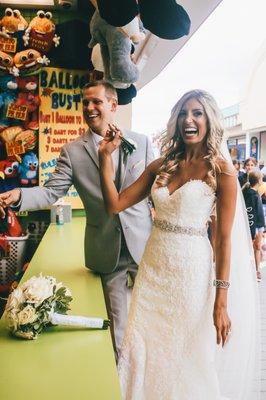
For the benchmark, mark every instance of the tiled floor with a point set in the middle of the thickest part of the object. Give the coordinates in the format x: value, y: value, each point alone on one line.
x: 263, y: 331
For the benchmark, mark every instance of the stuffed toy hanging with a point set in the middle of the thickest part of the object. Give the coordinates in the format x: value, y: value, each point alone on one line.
x: 12, y: 22
x: 18, y: 141
x: 40, y: 35
x: 12, y: 29
x: 164, y: 18
x: 116, y: 45
x: 29, y: 61
x: 9, y: 174
x: 29, y: 97
x: 28, y: 169
x: 7, y: 64
x: 124, y: 95
x: 8, y: 95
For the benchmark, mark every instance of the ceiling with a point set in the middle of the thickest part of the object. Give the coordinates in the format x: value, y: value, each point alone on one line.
x: 155, y: 53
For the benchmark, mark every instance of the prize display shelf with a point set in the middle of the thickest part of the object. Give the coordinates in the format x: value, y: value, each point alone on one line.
x: 62, y: 363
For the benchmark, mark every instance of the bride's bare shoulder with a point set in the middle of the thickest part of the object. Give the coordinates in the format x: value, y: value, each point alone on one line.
x: 225, y: 167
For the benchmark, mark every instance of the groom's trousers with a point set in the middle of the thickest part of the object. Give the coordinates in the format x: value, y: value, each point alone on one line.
x: 116, y: 292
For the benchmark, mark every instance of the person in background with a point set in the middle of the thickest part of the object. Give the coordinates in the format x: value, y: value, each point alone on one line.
x: 255, y: 214
x: 249, y: 165
x: 237, y: 165
x: 261, y: 164
x: 263, y: 170
x: 262, y: 193
x: 113, y: 244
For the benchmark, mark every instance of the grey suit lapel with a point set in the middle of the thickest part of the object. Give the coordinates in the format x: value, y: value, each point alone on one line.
x: 90, y: 147
x: 123, y: 158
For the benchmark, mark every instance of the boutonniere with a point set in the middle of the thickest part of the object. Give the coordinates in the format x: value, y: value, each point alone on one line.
x: 128, y: 145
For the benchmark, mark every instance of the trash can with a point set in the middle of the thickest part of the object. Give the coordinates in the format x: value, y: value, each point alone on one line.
x: 13, y: 260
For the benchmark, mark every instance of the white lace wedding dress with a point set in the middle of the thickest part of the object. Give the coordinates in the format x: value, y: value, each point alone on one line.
x: 168, y: 351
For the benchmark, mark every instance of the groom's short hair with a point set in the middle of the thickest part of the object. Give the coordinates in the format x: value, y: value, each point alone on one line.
x: 109, y: 88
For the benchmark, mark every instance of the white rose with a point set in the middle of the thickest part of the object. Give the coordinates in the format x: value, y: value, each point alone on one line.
x: 59, y: 285
x: 15, y: 299
x: 12, y: 320
x: 27, y: 315
x: 26, y: 335
x: 68, y: 292
x: 38, y: 289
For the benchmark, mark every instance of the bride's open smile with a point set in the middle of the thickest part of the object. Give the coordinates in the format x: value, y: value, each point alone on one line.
x: 192, y: 122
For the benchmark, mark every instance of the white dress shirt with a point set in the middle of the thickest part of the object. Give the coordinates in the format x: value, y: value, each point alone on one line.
x: 115, y: 154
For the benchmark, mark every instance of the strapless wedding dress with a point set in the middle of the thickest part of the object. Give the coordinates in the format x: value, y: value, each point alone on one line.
x: 168, y: 351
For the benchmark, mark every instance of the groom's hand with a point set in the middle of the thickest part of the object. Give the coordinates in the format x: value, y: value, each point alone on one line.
x: 111, y: 141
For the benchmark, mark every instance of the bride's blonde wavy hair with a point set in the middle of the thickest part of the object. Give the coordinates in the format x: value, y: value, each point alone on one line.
x: 173, y: 147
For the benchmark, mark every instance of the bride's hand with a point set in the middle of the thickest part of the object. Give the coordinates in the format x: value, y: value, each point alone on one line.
x: 222, y: 323
x: 111, y: 141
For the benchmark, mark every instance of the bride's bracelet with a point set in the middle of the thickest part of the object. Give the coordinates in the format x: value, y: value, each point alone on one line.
x: 220, y: 284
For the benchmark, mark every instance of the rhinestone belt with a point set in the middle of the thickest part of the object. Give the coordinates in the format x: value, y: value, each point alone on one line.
x: 169, y: 227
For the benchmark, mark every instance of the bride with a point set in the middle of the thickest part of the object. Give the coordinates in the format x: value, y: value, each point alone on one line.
x: 192, y: 330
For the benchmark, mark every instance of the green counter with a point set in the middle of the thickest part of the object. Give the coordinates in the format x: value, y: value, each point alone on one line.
x: 63, y: 363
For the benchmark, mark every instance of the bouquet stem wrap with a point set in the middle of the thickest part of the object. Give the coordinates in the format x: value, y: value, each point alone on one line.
x: 75, y: 320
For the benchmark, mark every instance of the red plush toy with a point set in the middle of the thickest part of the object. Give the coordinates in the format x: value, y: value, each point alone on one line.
x: 28, y: 97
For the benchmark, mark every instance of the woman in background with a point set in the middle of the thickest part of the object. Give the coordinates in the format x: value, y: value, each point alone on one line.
x: 249, y: 165
x: 255, y: 214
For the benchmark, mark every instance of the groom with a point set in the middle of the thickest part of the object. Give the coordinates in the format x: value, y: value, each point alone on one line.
x: 113, y: 244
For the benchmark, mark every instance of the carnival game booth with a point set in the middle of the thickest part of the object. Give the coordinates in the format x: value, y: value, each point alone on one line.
x: 48, y: 50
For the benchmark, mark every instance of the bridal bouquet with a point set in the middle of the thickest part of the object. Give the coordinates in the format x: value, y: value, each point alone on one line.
x: 40, y: 302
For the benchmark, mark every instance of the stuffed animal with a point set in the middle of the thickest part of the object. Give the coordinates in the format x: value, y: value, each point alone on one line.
x: 28, y: 169
x: 12, y: 22
x: 7, y: 64
x: 8, y: 95
x: 40, y: 35
x: 164, y: 18
x: 29, y: 61
x: 13, y: 25
x: 17, y: 140
x: 28, y: 97
x: 124, y: 94
x: 115, y: 49
x: 8, y: 174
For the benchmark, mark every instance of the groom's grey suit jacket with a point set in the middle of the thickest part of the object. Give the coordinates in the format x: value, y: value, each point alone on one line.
x: 78, y: 164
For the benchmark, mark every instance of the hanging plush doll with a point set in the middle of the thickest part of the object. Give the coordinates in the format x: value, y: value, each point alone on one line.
x: 125, y: 95
x: 8, y: 174
x: 29, y: 61
x: 12, y: 29
x: 116, y: 44
x: 29, y: 97
x: 8, y: 95
x: 164, y: 18
x: 40, y: 35
x: 7, y: 64
x: 17, y: 140
x: 28, y: 169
